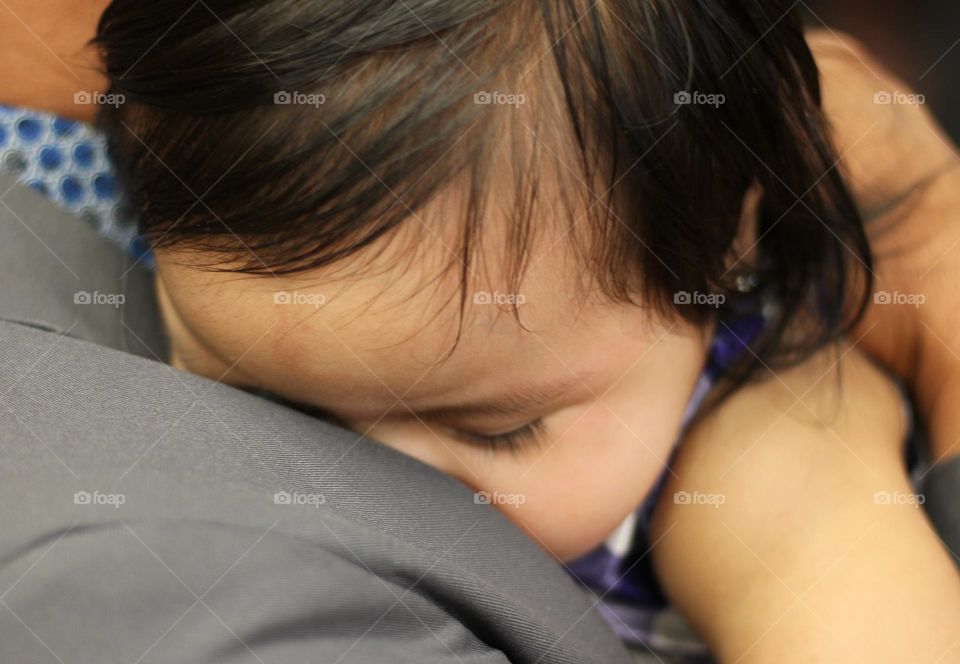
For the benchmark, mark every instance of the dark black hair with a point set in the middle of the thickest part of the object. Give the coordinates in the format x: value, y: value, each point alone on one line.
x: 674, y: 111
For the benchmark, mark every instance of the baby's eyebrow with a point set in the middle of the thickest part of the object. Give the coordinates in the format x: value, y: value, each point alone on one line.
x: 520, y: 400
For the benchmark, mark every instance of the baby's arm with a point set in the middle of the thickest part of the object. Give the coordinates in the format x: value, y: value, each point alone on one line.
x: 801, y: 540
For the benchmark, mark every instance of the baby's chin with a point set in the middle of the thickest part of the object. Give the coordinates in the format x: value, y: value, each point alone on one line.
x: 567, y: 539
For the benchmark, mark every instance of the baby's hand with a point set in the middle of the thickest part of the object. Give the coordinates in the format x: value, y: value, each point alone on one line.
x: 789, y: 531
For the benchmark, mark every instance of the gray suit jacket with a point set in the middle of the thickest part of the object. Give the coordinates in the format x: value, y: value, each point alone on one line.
x: 152, y: 516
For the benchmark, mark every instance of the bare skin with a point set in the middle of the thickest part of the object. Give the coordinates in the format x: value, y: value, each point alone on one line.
x: 45, y: 59
x: 889, y: 148
x: 817, y: 549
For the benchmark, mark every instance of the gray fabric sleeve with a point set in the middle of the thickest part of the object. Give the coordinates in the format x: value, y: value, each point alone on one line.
x: 147, y: 516
x: 941, y: 488
x: 157, y: 592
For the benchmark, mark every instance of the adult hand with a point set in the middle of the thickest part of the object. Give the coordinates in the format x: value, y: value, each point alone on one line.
x: 905, y: 172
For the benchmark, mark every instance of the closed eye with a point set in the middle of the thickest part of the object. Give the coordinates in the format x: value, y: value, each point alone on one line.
x: 530, y: 434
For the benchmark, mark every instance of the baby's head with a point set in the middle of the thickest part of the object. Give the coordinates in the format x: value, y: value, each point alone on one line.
x: 494, y: 235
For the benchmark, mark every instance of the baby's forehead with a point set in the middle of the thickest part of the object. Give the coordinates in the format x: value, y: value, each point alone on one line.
x: 416, y: 345
x: 410, y: 317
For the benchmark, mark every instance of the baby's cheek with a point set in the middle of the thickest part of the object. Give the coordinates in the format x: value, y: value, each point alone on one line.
x: 568, y: 496
x: 571, y: 496
x: 563, y: 525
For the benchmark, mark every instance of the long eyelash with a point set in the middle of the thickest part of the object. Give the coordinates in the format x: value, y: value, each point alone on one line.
x: 511, y: 441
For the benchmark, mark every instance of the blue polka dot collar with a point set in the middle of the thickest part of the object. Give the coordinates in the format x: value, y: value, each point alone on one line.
x: 66, y: 161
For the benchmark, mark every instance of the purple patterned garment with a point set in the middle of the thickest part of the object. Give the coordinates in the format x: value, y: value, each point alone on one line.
x: 630, y: 597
